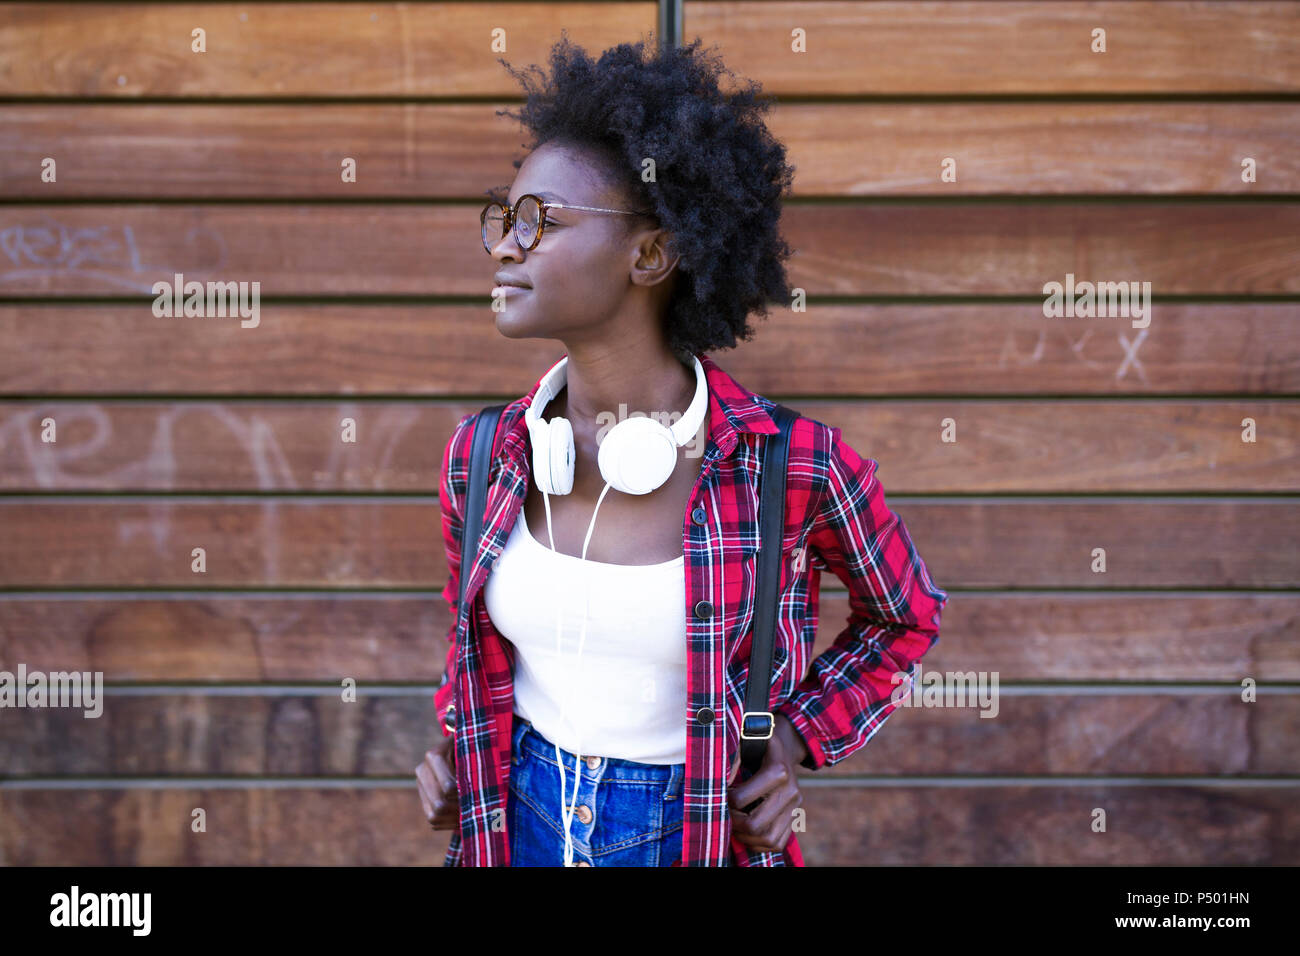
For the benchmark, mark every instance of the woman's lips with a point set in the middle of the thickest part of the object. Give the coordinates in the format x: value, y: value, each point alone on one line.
x: 508, y: 289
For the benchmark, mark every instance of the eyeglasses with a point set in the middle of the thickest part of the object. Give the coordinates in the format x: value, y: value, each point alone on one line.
x: 528, y: 219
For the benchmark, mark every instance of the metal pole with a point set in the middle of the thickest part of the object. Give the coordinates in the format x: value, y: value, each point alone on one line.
x: 670, y: 23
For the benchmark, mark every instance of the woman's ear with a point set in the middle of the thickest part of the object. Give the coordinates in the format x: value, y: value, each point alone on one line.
x: 656, y: 258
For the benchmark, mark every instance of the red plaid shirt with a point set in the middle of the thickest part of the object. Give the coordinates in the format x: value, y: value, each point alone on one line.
x: 835, y: 512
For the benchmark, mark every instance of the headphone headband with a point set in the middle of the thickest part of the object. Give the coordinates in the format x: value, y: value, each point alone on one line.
x: 683, y: 430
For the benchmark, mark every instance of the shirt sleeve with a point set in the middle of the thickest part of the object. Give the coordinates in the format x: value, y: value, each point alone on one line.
x: 451, y: 503
x: 894, y: 611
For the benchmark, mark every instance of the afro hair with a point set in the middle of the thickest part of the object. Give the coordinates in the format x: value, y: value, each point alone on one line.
x: 719, y: 173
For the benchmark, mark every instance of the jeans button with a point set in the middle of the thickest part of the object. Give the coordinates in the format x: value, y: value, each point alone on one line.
x: 704, y: 610
x: 583, y: 812
x: 593, y: 763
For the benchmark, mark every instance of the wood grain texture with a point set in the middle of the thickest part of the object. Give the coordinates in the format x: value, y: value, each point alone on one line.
x: 394, y: 543
x: 313, y: 638
x: 450, y: 351
x: 1049, y: 825
x: 845, y: 826
x: 126, y: 50
x: 443, y: 49
x: 851, y: 248
x: 1005, y: 447
x: 298, y: 735
x: 325, y: 560
x: 459, y: 151
x: 1093, y: 149
x: 907, y: 48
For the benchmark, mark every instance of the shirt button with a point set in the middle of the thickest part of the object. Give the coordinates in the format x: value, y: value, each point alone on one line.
x: 704, y: 715
x: 704, y: 610
x: 698, y: 516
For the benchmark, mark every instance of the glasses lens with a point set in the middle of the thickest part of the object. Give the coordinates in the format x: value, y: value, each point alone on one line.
x: 494, y: 221
x: 527, y: 218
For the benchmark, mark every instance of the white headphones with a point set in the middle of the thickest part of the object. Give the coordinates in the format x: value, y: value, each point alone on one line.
x: 636, y: 456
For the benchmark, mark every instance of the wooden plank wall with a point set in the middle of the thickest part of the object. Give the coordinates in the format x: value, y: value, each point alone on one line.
x: 1119, y: 690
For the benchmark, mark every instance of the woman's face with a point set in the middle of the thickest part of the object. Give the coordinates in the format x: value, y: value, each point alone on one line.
x: 579, y: 273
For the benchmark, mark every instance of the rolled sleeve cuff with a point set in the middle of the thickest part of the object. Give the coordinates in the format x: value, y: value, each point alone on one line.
x: 816, y: 756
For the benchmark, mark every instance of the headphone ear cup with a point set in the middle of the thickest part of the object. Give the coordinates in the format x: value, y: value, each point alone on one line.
x: 540, y: 433
x: 561, y: 454
x: 637, y: 455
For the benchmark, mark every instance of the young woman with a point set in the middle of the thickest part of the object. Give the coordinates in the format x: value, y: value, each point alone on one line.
x: 595, y: 679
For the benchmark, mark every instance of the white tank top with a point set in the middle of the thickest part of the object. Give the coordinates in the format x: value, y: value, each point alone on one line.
x: 628, y: 691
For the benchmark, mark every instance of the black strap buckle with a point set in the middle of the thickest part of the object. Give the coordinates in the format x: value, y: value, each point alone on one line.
x: 757, y: 725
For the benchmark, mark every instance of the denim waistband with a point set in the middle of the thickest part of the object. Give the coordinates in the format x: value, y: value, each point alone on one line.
x: 526, y: 738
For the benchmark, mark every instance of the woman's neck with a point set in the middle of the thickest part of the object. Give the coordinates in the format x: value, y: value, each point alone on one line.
x: 655, y: 387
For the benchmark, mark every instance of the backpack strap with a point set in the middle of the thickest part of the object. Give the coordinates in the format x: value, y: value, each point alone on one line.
x: 480, y: 462
x: 758, y: 722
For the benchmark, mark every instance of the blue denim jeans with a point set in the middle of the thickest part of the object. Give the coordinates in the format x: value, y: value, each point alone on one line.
x: 633, y: 810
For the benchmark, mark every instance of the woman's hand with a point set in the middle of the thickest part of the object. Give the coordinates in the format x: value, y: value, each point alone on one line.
x: 436, y: 777
x: 769, y: 826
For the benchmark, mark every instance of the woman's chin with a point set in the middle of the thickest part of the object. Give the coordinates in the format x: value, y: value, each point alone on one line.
x: 514, y: 326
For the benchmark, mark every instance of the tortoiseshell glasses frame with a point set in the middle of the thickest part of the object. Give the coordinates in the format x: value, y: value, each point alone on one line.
x: 509, y: 219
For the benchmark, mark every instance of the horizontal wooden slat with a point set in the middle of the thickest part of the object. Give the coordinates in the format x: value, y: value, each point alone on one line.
x: 939, y: 249
x: 1051, y: 825
x: 1024, y: 48
x: 230, y: 638
x: 293, y: 49
x: 402, y: 638
x: 295, y: 735
x: 290, y: 542
x: 846, y: 826
x: 453, y: 350
x: 438, y: 49
x: 459, y: 151
x: 850, y: 248
x: 1059, y: 446
x: 1040, y: 148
